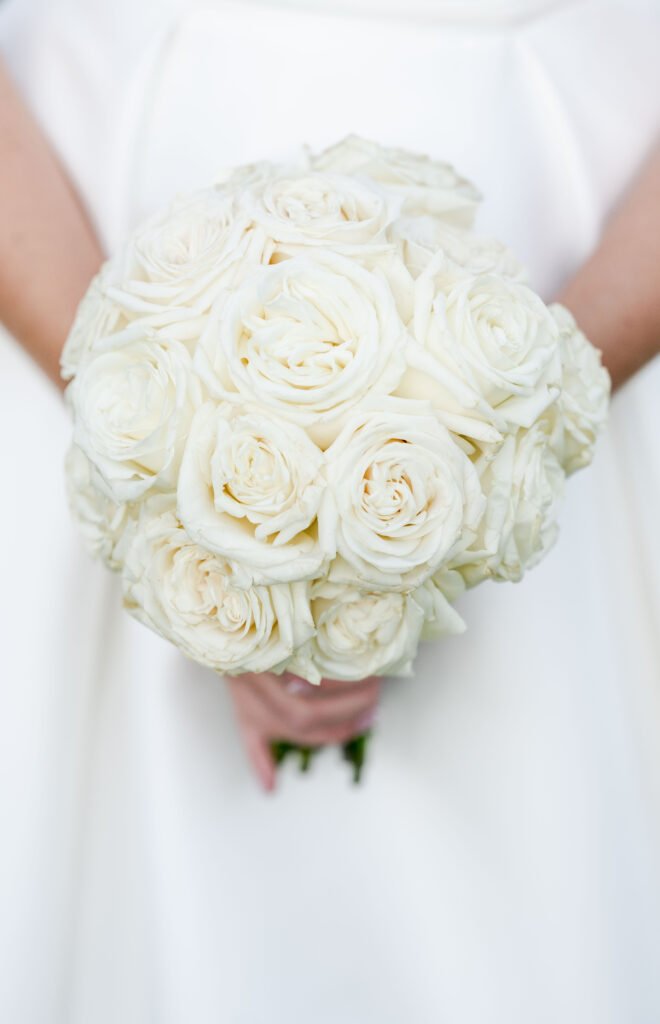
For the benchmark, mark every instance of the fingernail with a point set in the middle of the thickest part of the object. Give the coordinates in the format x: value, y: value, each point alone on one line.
x: 367, y: 719
x: 294, y: 686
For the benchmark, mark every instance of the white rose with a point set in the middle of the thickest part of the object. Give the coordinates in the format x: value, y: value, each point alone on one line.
x: 188, y: 255
x: 97, y: 317
x: 251, y: 488
x: 449, y: 582
x: 440, y: 618
x: 523, y: 484
x: 420, y: 238
x: 308, y: 338
x: 101, y: 521
x: 487, y: 353
x: 400, y: 282
x: 188, y: 595
x: 234, y: 180
x: 300, y: 209
x: 423, y: 185
x: 132, y: 408
x: 584, y: 399
x: 407, y: 496
x: 359, y: 633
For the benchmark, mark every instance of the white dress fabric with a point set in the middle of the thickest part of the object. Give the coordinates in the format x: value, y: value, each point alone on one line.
x: 500, y: 862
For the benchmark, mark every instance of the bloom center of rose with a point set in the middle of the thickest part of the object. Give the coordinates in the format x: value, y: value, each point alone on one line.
x: 303, y: 355
x: 394, y: 495
x: 311, y: 201
x: 502, y: 332
x: 234, y: 611
x: 199, y: 591
x: 186, y: 247
x: 359, y: 625
x: 256, y: 472
x: 136, y: 400
x: 302, y: 209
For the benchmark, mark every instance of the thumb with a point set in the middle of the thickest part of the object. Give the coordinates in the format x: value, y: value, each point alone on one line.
x: 261, y: 759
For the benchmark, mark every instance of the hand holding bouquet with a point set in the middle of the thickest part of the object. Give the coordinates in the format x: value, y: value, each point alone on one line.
x: 311, y: 406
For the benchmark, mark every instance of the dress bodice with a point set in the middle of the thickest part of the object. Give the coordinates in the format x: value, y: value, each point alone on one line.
x: 427, y: 10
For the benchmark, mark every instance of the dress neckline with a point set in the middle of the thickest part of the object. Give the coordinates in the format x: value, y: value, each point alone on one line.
x: 446, y: 11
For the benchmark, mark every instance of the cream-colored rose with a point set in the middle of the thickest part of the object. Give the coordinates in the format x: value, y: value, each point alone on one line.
x: 583, y: 404
x: 132, y: 408
x: 362, y: 632
x: 523, y: 484
x: 400, y: 282
x: 422, y: 185
x: 235, y: 180
x: 486, y: 354
x: 252, y: 488
x: 189, y: 596
x: 359, y: 633
x: 310, y: 208
x: 97, y: 317
x: 101, y: 521
x: 188, y: 255
x: 420, y: 238
x: 440, y: 618
x: 308, y: 338
x: 407, y: 496
x: 449, y: 582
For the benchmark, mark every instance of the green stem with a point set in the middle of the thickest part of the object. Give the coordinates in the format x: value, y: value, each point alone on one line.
x: 306, y: 754
x: 280, y: 750
x: 354, y: 751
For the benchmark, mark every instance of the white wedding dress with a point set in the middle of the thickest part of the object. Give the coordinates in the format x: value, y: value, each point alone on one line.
x: 500, y: 863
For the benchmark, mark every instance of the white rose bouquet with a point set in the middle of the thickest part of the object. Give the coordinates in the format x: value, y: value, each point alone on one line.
x: 311, y: 406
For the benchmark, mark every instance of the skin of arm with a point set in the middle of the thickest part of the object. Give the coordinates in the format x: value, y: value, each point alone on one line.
x: 615, y: 295
x: 48, y: 255
x: 48, y: 249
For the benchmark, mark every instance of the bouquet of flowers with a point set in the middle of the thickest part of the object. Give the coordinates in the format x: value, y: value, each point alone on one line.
x: 311, y: 406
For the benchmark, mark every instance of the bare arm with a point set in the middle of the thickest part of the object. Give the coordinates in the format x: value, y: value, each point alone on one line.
x: 48, y: 255
x: 48, y: 249
x: 615, y: 295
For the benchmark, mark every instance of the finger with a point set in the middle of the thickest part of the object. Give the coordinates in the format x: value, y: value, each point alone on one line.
x: 253, y: 712
x: 327, y: 735
x: 261, y: 758
x: 297, y: 685
x: 307, y: 719
x: 251, y: 721
x: 326, y: 709
x: 299, y: 721
x: 343, y: 707
x: 259, y: 718
x: 335, y: 685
